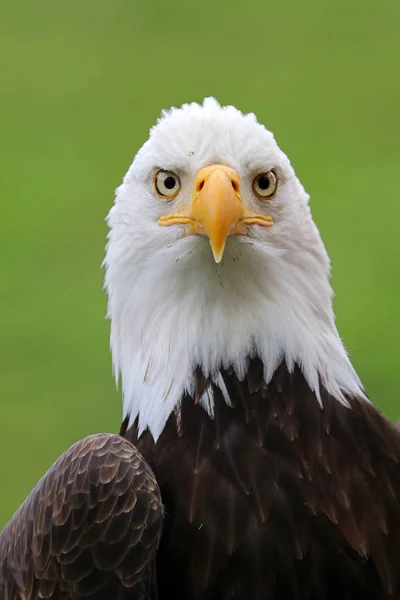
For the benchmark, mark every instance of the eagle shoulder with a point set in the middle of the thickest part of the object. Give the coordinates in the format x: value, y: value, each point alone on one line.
x: 91, y: 526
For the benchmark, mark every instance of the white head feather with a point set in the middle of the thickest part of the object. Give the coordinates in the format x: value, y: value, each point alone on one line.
x: 173, y: 309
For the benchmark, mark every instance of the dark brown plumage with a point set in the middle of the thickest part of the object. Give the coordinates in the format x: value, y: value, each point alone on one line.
x: 275, y: 498
x: 272, y: 499
x: 89, y: 529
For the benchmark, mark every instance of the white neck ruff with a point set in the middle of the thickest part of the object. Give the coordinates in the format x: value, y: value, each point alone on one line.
x: 177, y: 310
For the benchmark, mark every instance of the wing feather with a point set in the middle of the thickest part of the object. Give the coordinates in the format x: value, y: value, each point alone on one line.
x: 90, y: 527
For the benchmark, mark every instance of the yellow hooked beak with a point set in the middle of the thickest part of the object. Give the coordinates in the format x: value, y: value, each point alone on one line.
x: 216, y: 210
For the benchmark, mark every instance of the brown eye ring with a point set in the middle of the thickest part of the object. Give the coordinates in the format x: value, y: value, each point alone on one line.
x: 167, y: 184
x: 265, y: 185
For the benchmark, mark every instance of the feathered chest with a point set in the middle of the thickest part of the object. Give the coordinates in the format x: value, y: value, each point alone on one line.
x: 270, y: 491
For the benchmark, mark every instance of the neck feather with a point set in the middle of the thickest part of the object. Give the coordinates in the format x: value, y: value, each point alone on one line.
x: 182, y: 314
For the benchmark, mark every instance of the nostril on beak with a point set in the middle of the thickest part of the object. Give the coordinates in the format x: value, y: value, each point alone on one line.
x: 235, y: 185
x: 200, y: 185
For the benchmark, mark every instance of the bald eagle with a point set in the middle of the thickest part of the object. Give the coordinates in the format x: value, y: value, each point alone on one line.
x: 250, y: 463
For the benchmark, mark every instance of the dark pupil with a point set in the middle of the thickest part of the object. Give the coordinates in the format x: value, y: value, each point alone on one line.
x: 169, y: 182
x: 263, y: 182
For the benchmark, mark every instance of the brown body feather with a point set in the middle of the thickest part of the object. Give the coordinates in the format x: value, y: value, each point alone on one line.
x: 275, y: 498
x: 89, y: 529
x: 271, y: 498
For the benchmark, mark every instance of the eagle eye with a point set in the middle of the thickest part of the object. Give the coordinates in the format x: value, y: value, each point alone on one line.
x: 167, y: 184
x: 265, y: 184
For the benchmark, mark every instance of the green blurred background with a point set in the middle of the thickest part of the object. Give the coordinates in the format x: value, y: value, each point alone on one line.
x: 81, y: 83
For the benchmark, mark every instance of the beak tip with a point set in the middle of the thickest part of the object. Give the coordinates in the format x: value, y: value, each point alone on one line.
x: 218, y: 253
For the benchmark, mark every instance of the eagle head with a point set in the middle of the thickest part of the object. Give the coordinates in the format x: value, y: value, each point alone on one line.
x: 213, y: 258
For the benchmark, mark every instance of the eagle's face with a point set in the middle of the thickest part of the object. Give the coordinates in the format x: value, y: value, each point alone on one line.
x: 213, y: 257
x: 212, y: 177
